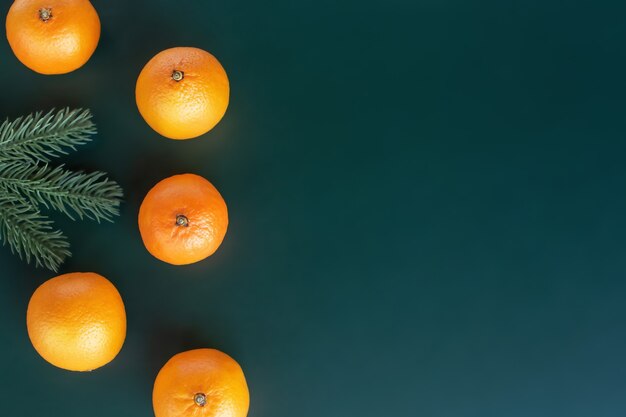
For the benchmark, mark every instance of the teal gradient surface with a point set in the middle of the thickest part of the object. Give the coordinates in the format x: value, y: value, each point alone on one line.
x: 427, y: 209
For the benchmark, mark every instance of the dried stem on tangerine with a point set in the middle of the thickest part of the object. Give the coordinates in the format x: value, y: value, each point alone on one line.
x: 45, y: 14
x: 178, y: 75
x: 200, y: 399
x: 182, y: 220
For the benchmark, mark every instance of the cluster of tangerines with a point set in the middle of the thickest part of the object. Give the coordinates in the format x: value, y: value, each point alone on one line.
x: 77, y: 321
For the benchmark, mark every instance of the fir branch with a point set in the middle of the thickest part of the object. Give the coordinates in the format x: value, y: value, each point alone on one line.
x: 27, y: 182
x: 30, y: 234
x: 89, y: 195
x: 40, y: 137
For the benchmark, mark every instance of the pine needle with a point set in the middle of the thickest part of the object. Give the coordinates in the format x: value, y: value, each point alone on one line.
x: 27, y: 182
x: 39, y: 136
x: 91, y: 196
x: 30, y: 234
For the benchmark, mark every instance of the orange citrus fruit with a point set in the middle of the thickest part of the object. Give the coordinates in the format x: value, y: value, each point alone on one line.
x: 53, y: 36
x: 77, y: 321
x: 201, y: 383
x: 182, y: 93
x: 183, y: 219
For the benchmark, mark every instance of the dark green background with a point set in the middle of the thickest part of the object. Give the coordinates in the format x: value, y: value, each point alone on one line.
x: 427, y: 204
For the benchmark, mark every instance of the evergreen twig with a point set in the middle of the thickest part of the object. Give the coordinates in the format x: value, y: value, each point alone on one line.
x: 39, y: 136
x: 89, y: 195
x: 27, y: 181
x: 30, y: 234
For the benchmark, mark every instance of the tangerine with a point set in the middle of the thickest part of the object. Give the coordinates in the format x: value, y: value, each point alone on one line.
x: 53, y: 36
x: 182, y: 92
x: 77, y: 321
x: 183, y: 219
x: 201, y: 383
